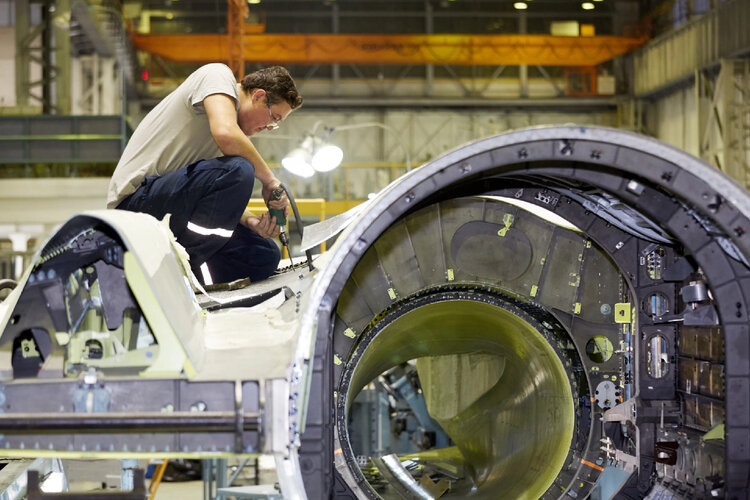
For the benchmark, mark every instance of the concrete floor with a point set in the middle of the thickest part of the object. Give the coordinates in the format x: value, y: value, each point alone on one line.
x: 190, y: 490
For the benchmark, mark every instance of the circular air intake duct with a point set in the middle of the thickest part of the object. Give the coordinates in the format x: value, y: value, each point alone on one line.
x: 513, y: 317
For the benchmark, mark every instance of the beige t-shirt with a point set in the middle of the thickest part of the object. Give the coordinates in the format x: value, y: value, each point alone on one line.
x: 174, y: 134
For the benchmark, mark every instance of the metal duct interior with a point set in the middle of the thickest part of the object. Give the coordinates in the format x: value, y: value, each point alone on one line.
x: 498, y: 372
x: 492, y: 382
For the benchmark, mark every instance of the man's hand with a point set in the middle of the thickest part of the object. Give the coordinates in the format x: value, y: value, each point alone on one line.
x: 281, y: 204
x: 264, y: 225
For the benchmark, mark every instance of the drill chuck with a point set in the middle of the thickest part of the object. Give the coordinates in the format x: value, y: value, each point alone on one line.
x: 283, y: 237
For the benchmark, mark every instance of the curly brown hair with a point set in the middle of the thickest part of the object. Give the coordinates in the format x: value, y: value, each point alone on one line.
x: 278, y: 84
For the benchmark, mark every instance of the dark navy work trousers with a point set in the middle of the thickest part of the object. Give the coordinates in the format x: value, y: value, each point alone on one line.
x: 206, y: 200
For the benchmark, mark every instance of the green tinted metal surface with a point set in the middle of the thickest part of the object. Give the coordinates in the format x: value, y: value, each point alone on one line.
x: 492, y: 382
x: 489, y: 378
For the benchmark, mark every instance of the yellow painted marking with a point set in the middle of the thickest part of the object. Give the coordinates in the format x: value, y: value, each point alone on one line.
x: 577, y: 308
x: 508, y: 221
x: 336, y: 360
x: 592, y: 465
x: 450, y: 274
x: 62, y: 338
x: 534, y: 289
x: 392, y: 293
x: 350, y: 333
x: 622, y: 312
x: 715, y: 433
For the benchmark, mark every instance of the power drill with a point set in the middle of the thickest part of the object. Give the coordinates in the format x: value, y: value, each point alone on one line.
x: 276, y: 194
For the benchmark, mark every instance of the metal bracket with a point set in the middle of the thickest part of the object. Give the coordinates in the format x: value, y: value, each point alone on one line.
x: 91, y: 397
x: 622, y: 413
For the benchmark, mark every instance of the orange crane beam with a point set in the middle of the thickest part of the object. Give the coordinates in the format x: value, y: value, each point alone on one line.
x: 466, y: 50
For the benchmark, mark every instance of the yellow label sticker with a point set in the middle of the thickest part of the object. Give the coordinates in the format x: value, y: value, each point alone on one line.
x: 622, y: 312
x: 450, y: 274
x: 508, y: 221
x: 336, y: 360
x: 534, y: 289
x: 392, y: 293
x: 577, y: 308
x: 350, y: 333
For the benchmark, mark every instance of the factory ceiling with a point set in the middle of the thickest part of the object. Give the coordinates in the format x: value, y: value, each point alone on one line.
x: 402, y: 32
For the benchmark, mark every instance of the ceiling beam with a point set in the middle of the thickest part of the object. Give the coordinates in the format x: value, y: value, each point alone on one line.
x: 466, y: 50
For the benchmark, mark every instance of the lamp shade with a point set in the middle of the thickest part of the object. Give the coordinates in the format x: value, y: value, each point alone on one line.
x: 299, y: 162
x: 327, y: 157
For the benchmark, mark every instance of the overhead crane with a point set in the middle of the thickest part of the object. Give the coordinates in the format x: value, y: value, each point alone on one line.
x: 450, y: 49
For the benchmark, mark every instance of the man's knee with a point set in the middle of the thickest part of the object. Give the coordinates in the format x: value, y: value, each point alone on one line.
x: 231, y: 183
x: 245, y: 256
x: 240, y: 168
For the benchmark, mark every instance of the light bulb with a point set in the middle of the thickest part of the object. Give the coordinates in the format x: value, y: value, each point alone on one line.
x: 327, y: 157
x: 298, y: 162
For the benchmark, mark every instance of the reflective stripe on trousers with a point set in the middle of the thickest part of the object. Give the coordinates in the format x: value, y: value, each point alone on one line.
x: 207, y: 280
x: 207, y: 231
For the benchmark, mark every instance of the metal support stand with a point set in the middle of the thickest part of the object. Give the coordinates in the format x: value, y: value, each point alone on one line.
x: 214, y: 477
x: 127, y: 474
x: 257, y: 491
x: 13, y: 473
x: 34, y: 491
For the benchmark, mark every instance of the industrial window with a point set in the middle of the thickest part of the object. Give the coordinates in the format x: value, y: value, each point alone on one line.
x: 7, y: 13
